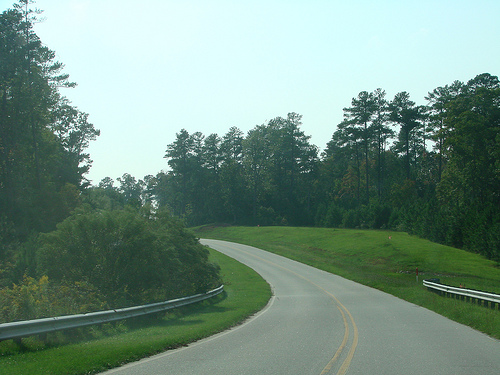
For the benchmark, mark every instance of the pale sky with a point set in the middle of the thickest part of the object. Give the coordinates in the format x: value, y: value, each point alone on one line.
x: 147, y: 69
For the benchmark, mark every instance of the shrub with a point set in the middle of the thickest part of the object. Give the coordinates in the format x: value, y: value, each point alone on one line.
x: 40, y: 298
x: 130, y: 257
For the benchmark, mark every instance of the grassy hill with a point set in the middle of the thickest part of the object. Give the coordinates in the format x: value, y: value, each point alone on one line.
x: 383, y: 260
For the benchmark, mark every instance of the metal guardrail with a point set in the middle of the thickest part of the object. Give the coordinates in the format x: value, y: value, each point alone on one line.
x: 463, y: 293
x: 16, y: 330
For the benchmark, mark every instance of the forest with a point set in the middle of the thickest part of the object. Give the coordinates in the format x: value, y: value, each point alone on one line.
x: 65, y: 248
x: 431, y: 170
x: 68, y: 246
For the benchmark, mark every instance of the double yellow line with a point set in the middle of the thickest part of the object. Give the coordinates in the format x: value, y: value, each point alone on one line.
x: 343, y: 310
x: 350, y: 355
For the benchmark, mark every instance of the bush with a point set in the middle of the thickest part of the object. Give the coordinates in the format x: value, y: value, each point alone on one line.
x: 268, y: 216
x: 32, y: 299
x: 381, y: 216
x: 333, y: 217
x: 351, y: 219
x: 128, y: 256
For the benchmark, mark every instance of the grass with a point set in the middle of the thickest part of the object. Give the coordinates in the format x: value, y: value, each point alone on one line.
x: 383, y: 260
x: 111, y: 345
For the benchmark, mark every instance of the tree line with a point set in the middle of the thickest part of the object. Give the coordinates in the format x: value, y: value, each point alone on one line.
x: 431, y: 170
x: 66, y: 248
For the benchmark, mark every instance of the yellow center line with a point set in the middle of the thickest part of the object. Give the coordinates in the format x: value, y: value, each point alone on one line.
x: 328, y: 367
x: 340, y: 306
x: 345, y: 365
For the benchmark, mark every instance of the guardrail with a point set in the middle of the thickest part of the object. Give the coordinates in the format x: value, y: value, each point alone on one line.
x: 486, y: 299
x: 17, y: 330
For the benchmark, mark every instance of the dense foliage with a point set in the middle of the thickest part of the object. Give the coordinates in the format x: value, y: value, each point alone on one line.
x: 431, y: 170
x: 66, y: 247
x: 131, y: 257
x: 43, y: 137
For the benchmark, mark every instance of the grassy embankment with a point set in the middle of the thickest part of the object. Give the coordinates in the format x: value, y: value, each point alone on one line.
x: 114, y: 344
x: 383, y: 260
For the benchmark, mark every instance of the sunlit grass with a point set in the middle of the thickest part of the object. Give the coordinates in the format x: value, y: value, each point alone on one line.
x: 383, y: 260
x: 109, y: 346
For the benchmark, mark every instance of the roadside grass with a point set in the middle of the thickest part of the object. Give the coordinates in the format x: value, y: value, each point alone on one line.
x: 111, y: 345
x: 384, y: 260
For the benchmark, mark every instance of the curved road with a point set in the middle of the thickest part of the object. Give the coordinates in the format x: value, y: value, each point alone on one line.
x: 319, y: 323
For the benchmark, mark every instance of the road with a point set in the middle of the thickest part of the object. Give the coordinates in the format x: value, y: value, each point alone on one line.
x: 319, y: 323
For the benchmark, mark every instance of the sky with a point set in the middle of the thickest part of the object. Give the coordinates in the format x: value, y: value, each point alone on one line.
x: 147, y: 69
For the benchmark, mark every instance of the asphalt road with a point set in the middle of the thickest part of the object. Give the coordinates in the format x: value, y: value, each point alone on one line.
x: 319, y: 323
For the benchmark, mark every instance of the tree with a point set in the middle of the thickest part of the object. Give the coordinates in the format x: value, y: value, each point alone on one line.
x: 232, y: 179
x: 293, y: 159
x: 279, y: 162
x: 131, y: 189
x: 360, y: 114
x: 211, y: 152
x: 104, y: 196
x: 304, y: 173
x: 346, y: 142
x: 232, y: 146
x: 129, y: 256
x: 438, y: 99
x: 405, y: 114
x: 209, y: 178
x: 381, y: 134
x: 472, y: 126
x: 148, y: 190
x: 471, y: 180
x: 42, y: 137
x: 180, y: 159
x: 193, y: 180
x: 256, y: 160
x: 75, y: 133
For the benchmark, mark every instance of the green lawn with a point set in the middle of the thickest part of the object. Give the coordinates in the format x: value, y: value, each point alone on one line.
x: 114, y: 344
x: 383, y: 260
